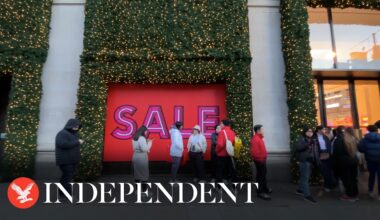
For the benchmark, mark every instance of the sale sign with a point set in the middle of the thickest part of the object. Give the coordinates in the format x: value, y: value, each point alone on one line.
x: 158, y: 107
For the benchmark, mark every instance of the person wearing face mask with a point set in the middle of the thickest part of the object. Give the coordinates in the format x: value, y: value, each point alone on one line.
x: 307, y: 155
x: 67, y: 152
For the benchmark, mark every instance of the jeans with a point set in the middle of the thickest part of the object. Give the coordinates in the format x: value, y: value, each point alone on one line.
x: 196, y: 160
x: 176, y: 162
x: 261, y: 176
x: 329, y: 180
x: 68, y: 171
x: 305, y: 172
x: 373, y: 169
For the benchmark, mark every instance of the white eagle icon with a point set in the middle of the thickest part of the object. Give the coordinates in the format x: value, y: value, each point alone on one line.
x: 23, y: 194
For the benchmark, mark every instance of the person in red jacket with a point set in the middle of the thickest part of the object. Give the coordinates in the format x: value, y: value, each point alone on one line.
x: 259, y: 157
x: 224, y: 161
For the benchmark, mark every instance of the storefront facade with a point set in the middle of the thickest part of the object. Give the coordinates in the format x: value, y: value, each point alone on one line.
x: 346, y: 70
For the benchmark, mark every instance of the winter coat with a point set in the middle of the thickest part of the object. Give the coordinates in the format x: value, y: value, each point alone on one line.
x: 67, y: 146
x: 370, y: 146
x: 340, y: 155
x: 327, y: 143
x: 221, y: 144
x: 199, y: 146
x: 307, y: 151
x: 258, y: 149
x: 176, y: 148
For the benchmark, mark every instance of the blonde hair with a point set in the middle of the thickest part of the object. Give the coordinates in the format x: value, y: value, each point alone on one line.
x: 351, y: 143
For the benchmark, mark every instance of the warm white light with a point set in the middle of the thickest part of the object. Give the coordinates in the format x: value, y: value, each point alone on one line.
x: 333, y: 97
x: 334, y: 105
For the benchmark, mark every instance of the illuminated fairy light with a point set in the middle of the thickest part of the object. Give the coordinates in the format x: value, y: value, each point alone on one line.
x: 297, y: 57
x: 23, y: 49
x: 163, y: 42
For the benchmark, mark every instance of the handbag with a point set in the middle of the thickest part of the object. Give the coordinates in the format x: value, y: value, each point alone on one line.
x: 229, y: 146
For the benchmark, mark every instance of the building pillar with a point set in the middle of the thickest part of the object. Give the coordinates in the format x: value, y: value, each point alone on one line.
x: 268, y: 86
x: 60, y: 79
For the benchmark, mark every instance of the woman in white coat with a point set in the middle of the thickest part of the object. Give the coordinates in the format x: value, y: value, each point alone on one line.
x: 140, y: 160
x: 196, y: 147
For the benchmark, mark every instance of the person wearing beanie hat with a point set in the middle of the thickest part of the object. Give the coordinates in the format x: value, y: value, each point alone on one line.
x: 196, y: 147
x: 176, y: 148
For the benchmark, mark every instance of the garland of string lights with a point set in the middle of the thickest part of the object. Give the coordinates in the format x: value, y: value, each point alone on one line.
x: 296, y: 52
x: 163, y: 42
x: 23, y: 48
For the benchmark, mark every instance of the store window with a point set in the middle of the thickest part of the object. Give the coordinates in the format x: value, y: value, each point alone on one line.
x: 357, y: 38
x: 320, y: 39
x: 337, y: 103
x: 368, y: 102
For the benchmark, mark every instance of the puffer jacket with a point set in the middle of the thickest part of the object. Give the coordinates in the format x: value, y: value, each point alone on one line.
x: 67, y: 146
x: 370, y: 146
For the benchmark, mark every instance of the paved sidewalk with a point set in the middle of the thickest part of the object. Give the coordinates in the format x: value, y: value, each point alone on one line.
x: 284, y: 205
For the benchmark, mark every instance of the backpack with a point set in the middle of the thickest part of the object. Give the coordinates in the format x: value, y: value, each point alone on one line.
x: 229, y: 146
x: 237, y: 146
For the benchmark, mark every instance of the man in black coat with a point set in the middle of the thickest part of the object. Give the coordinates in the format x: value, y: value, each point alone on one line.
x: 67, y: 151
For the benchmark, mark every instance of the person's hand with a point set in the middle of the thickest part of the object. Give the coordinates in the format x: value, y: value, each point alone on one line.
x: 81, y: 141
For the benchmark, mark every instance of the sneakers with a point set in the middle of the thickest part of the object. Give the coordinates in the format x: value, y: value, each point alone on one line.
x: 310, y: 199
x: 264, y: 196
x: 348, y: 199
x: 299, y: 192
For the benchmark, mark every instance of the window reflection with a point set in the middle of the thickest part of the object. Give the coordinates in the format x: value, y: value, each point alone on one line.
x: 338, y: 103
x: 320, y: 39
x: 368, y: 102
x: 357, y: 37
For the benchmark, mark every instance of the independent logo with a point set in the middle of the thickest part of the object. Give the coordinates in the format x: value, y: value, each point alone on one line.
x: 23, y: 193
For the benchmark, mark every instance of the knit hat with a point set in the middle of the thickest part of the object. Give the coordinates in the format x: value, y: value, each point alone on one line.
x: 197, y: 127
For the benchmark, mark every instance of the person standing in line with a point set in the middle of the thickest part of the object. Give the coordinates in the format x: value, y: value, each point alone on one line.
x: 224, y: 161
x: 196, y: 147
x: 325, y: 166
x: 214, y: 141
x: 329, y: 133
x: 176, y: 149
x: 377, y: 124
x: 141, y: 147
x: 307, y: 155
x: 370, y: 146
x: 259, y: 157
x: 345, y: 154
x: 338, y: 138
x: 67, y: 152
